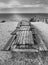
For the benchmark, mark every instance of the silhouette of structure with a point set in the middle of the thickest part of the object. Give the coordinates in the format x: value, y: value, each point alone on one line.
x: 25, y: 38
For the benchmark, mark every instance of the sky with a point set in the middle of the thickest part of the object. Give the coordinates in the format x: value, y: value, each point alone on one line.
x: 23, y: 6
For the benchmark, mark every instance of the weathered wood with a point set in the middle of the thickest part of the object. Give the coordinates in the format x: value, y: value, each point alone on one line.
x: 14, y: 32
x: 25, y: 50
x: 25, y: 34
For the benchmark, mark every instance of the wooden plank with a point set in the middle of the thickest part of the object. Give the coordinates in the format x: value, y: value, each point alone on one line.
x: 24, y: 50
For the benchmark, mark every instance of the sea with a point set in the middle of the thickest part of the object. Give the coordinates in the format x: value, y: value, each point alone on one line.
x: 19, y: 16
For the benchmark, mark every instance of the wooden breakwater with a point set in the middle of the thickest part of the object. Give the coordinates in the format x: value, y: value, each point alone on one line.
x: 25, y: 38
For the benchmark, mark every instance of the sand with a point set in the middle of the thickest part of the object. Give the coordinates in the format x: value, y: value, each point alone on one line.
x: 7, y: 27
x: 43, y: 28
x: 5, y: 30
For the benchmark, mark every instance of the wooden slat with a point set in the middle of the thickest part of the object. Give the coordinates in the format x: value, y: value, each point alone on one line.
x: 25, y: 50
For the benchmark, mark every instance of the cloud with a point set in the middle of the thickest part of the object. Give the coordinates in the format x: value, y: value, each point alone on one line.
x: 35, y: 5
x: 18, y: 4
x: 13, y: 3
x: 31, y: 6
x: 10, y: 4
x: 3, y: 5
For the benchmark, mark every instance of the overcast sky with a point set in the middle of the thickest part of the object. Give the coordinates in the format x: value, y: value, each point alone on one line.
x: 23, y: 6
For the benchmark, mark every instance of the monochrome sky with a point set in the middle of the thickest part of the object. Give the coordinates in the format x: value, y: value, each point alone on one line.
x: 23, y: 6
